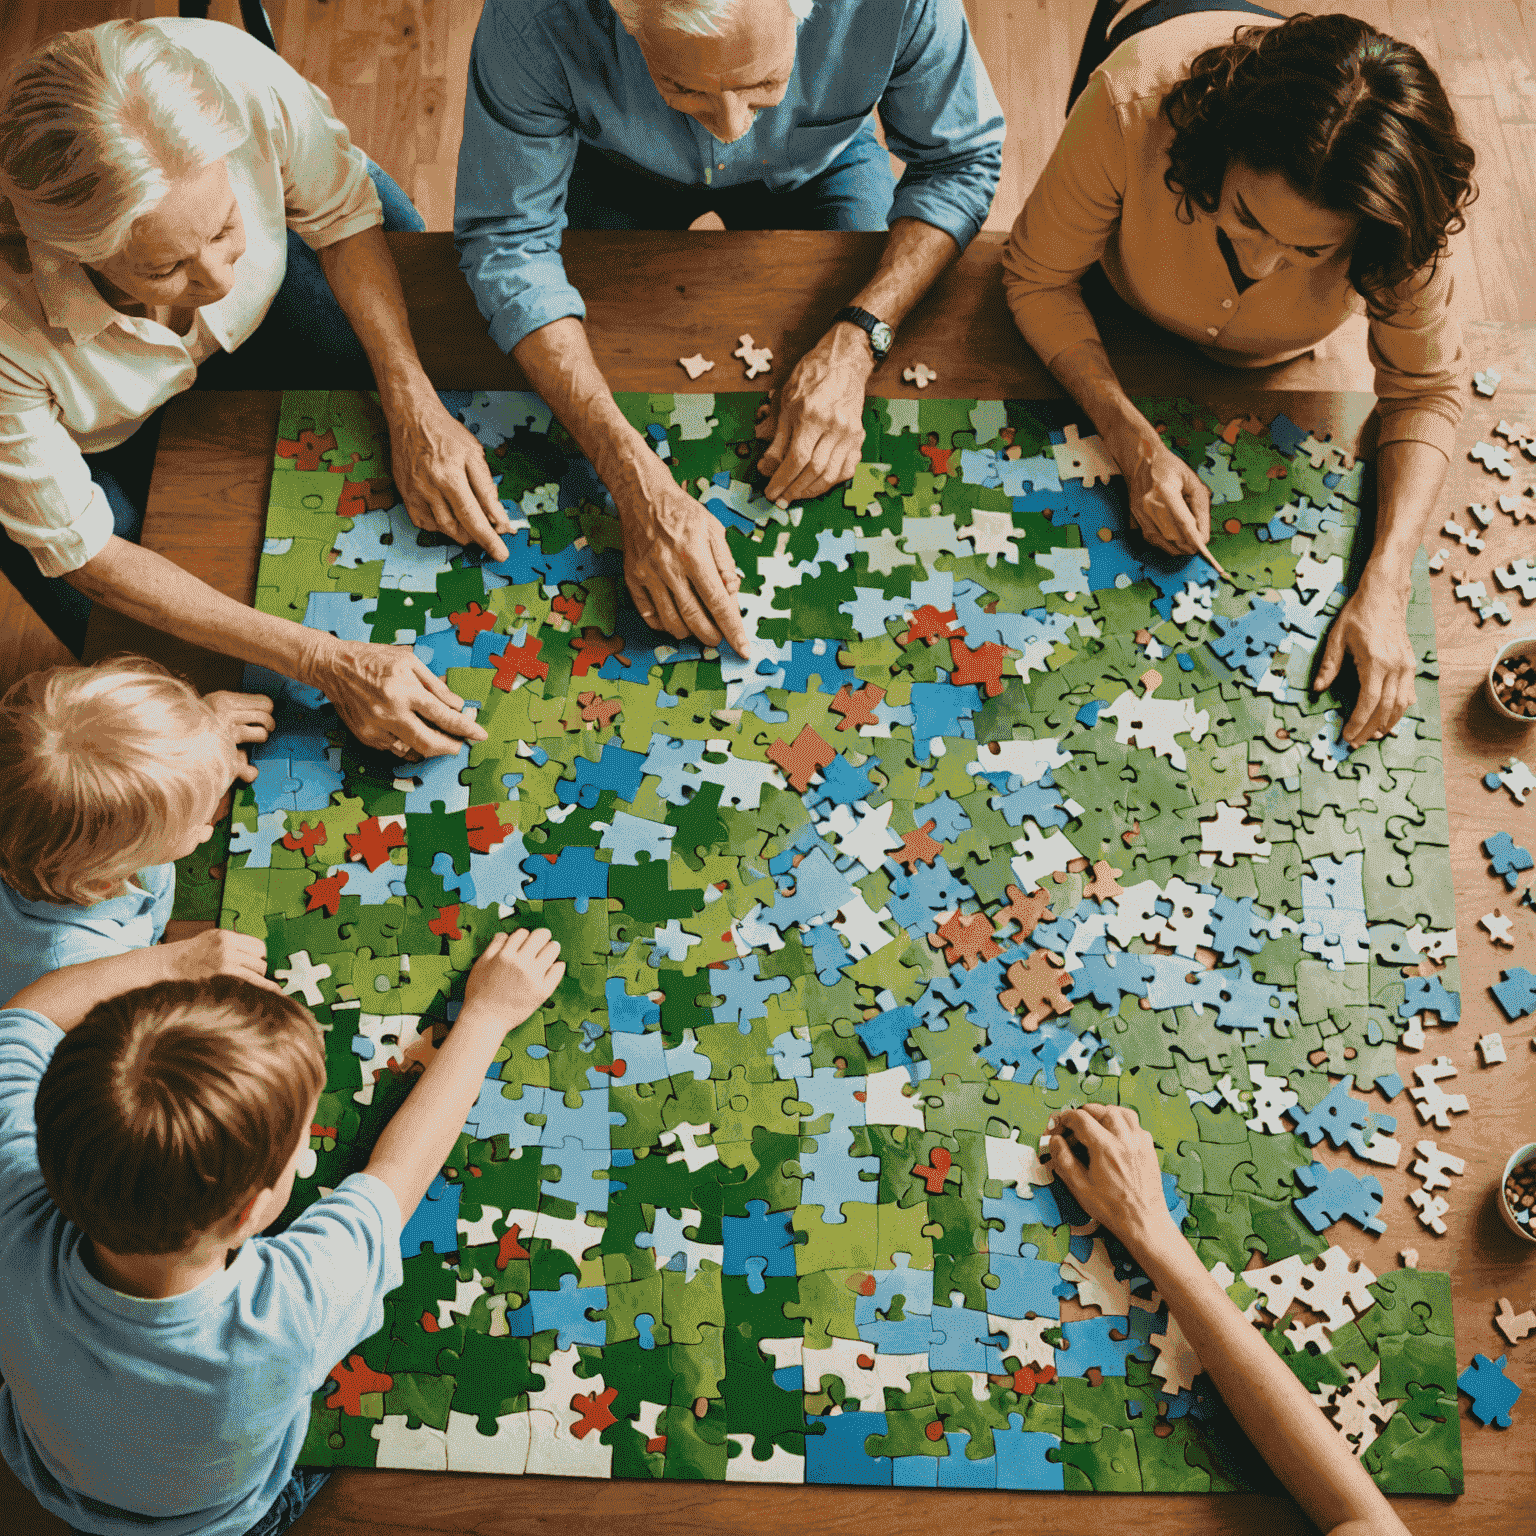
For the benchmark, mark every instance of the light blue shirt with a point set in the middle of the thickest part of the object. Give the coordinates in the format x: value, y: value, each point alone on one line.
x: 182, y: 1415
x: 545, y: 75
x: 37, y: 937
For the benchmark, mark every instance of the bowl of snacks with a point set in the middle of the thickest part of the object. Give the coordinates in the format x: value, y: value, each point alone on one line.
x: 1512, y: 681
x: 1517, y: 1193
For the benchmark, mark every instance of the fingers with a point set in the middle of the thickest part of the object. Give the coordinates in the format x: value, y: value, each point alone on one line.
x: 435, y: 685
x: 483, y: 488
x: 1359, y: 726
x: 247, y: 772
x: 1197, y: 497
x: 666, y: 616
x: 466, y: 518
x: 1333, y: 657
x: 773, y: 463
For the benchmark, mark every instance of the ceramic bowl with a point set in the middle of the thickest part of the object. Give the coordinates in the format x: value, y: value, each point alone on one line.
x: 1524, y: 646
x: 1520, y: 1155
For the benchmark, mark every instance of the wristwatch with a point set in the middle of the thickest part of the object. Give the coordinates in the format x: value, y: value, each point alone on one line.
x: 880, y: 334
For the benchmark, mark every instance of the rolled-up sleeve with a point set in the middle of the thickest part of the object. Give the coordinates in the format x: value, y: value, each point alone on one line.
x: 1064, y: 226
x: 515, y: 165
x: 48, y: 502
x: 328, y: 194
x: 1421, y: 363
x: 942, y: 118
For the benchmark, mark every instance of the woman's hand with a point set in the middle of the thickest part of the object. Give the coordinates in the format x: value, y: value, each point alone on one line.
x: 1372, y: 628
x: 1170, y: 503
x: 245, y: 717
x: 440, y: 472
x: 391, y: 699
x: 1110, y: 1165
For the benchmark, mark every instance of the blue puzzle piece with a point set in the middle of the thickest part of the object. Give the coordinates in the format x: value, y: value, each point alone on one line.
x: 258, y: 843
x: 940, y: 710
x: 574, y: 874
x: 761, y: 1234
x: 1016, y: 1212
x: 1337, y: 1193
x: 636, y: 840
x: 1427, y: 994
x: 496, y: 1115
x: 628, y: 1014
x: 1248, y: 643
x: 830, y: 954
x: 841, y: 784
x: 1516, y: 993
x: 1493, y: 1394
x: 1339, y: 1116
x: 963, y: 1340
x: 618, y: 769
x: 1021, y: 1457
x: 839, y: 1454
x: 461, y: 887
x: 958, y: 1470
x: 1506, y: 857
x: 886, y: 1034
x: 745, y: 994
x: 1089, y: 1344
x: 579, y: 1169
x: 566, y: 1312
x: 1027, y: 1286
x: 435, y: 1220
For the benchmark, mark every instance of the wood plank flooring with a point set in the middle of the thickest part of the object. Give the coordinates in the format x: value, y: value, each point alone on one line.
x: 395, y: 72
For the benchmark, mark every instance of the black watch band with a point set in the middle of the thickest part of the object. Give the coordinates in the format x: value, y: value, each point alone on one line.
x: 879, y: 333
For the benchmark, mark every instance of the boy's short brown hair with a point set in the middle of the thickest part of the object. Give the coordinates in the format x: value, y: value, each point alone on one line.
x: 95, y: 764
x: 170, y: 1106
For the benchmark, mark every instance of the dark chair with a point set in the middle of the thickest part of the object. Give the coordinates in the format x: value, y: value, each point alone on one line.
x: 1104, y: 35
x: 252, y: 13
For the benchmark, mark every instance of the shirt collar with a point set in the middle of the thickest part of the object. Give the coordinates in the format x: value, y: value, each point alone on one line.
x: 117, y: 909
x: 69, y: 298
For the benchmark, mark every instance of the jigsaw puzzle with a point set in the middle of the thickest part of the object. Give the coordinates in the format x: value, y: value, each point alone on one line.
x: 1008, y: 812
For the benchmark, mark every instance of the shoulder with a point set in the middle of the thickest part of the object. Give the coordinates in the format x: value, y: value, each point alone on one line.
x: 1144, y: 68
x: 227, y: 50
x: 558, y: 21
x: 21, y: 1027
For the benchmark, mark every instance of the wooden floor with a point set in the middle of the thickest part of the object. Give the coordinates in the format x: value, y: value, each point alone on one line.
x: 395, y: 72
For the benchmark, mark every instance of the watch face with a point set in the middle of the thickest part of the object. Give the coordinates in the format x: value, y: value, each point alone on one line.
x: 882, y: 336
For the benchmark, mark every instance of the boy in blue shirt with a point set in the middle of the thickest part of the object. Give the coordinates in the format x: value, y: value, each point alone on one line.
x: 159, y: 1355
x: 108, y: 774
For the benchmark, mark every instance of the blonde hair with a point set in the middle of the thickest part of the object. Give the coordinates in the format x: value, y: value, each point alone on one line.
x: 697, y: 18
x: 96, y: 125
x: 97, y: 767
x: 168, y: 1107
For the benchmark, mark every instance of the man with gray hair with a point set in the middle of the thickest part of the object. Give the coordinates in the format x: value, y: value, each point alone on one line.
x: 644, y: 114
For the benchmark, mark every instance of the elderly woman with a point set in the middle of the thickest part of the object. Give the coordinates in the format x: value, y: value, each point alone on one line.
x: 1252, y: 188
x: 156, y: 174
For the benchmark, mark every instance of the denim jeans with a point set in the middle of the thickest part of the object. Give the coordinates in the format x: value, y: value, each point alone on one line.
x: 303, y: 337
x: 854, y: 192
x: 295, y: 1498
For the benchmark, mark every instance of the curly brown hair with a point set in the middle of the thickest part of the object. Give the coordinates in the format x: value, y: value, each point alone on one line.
x: 1356, y: 122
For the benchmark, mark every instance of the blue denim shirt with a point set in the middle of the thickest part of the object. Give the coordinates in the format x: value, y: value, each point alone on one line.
x: 547, y: 75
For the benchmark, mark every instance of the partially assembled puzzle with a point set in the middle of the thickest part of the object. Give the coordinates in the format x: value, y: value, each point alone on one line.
x: 1007, y: 812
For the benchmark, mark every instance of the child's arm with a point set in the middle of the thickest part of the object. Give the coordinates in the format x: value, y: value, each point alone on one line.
x: 65, y: 996
x: 1119, y: 1183
x: 509, y: 981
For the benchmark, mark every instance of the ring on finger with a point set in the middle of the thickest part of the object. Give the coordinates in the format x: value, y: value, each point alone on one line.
x: 398, y: 747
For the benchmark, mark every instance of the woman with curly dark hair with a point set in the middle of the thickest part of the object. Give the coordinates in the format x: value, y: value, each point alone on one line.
x: 1252, y: 186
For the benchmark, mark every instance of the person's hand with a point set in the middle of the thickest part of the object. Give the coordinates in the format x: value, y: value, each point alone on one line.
x: 816, y: 422
x: 440, y: 472
x: 515, y: 973
x: 1170, y: 503
x: 1372, y: 628
x: 677, y: 564
x: 218, y: 952
x: 391, y: 699
x: 1110, y: 1165
x: 245, y: 717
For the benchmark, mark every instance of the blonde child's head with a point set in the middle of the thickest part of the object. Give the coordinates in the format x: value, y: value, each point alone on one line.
x: 105, y: 770
x: 169, y: 1109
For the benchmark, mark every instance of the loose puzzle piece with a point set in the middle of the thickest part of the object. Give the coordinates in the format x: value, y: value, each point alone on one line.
x: 1493, y: 1394
x: 1003, y: 815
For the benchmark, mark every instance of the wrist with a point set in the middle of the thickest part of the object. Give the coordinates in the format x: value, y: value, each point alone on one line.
x: 404, y: 389
x: 849, y: 346
x: 313, y: 657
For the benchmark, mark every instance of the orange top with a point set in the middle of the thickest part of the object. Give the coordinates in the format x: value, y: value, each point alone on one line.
x: 1102, y: 198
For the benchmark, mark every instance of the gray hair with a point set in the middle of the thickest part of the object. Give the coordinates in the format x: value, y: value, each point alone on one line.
x: 698, y: 18
x: 95, y: 127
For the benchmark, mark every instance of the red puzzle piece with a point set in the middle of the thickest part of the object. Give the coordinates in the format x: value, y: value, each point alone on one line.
x: 1039, y: 987
x: 510, y: 1247
x: 446, y: 923
x: 1023, y: 911
x: 307, y: 837
x: 807, y: 754
x: 857, y: 708
x: 307, y: 450
x: 935, y: 1171
x: 485, y: 828
x: 598, y: 711
x: 353, y: 1377
x: 519, y: 661
x: 918, y: 848
x: 930, y: 624
x: 594, y: 648
x: 593, y: 1408
x: 982, y: 667
x: 938, y: 458
x: 359, y: 496
x: 571, y: 607
x: 373, y: 840
x: 471, y: 622
x: 1027, y: 1378
x: 967, y: 939
x: 326, y: 892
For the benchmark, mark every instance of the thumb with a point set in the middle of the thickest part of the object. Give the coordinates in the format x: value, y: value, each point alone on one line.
x: 1333, y: 656
x: 773, y: 454
x: 1064, y: 1161
x: 723, y: 561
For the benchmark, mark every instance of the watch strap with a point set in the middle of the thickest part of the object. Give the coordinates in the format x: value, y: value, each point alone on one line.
x: 866, y: 322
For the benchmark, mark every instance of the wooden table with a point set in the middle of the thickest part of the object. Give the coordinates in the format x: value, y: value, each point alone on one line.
x: 656, y: 297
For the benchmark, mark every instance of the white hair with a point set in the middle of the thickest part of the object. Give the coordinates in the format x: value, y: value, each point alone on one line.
x: 95, y: 127
x: 698, y: 18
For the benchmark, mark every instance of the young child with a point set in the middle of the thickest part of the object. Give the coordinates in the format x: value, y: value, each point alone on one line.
x: 158, y: 1372
x: 108, y: 774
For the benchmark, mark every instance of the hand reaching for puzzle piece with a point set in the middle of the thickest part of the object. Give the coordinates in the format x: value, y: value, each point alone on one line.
x: 816, y: 422
x: 246, y: 717
x: 1170, y: 503
x: 1373, y: 632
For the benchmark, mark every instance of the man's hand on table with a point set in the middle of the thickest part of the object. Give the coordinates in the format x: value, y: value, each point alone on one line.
x: 676, y: 562
x: 1372, y: 629
x: 816, y: 421
x: 390, y: 699
x: 440, y: 472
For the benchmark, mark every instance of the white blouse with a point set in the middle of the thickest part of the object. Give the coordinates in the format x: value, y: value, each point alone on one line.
x: 77, y: 376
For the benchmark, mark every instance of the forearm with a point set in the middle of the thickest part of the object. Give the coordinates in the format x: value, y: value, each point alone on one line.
x: 1409, y: 478
x: 1084, y: 371
x: 66, y: 995
x: 417, y: 1141
x: 148, y: 587
x: 914, y: 256
x: 1308, y: 1455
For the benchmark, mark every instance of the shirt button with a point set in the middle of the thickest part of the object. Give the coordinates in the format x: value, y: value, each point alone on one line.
x: 1226, y: 303
x: 1210, y: 330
